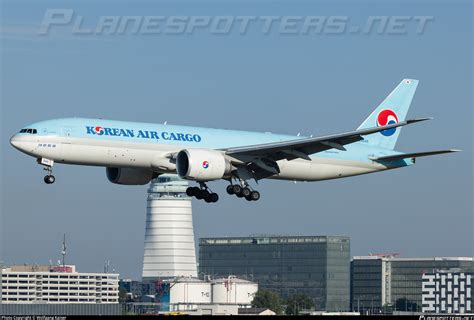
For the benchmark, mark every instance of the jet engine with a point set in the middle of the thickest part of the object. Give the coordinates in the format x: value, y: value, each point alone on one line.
x: 130, y: 176
x: 202, y: 164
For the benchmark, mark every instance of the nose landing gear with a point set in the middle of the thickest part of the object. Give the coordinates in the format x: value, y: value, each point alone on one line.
x: 48, y: 167
x: 202, y: 193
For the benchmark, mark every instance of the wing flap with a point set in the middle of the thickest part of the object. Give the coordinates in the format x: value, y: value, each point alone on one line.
x: 411, y: 155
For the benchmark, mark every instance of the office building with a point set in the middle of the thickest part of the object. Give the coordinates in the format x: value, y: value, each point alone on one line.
x: 133, y: 288
x: 57, y: 285
x: 381, y: 282
x: 447, y: 291
x: 318, y: 266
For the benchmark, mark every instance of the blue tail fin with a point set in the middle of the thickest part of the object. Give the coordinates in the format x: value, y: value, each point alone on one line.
x: 392, y: 110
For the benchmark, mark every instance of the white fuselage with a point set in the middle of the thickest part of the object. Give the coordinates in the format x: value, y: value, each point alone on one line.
x: 64, y: 144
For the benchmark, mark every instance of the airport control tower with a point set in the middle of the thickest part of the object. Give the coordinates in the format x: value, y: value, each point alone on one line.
x: 169, y: 235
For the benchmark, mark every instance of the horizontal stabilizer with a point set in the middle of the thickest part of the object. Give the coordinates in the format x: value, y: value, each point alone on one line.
x: 411, y: 155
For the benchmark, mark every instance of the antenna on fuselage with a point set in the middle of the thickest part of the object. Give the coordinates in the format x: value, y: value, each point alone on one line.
x: 165, y: 123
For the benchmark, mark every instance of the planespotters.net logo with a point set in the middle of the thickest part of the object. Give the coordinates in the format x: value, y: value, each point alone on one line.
x: 447, y: 317
x: 74, y: 22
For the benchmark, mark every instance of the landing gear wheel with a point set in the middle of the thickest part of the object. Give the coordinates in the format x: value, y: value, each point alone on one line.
x: 236, y: 189
x: 192, y: 191
x: 49, y: 179
x: 199, y: 195
x: 214, y: 197
x: 246, y: 192
x: 230, y: 189
x: 254, y: 195
x: 202, y: 194
x: 211, y: 197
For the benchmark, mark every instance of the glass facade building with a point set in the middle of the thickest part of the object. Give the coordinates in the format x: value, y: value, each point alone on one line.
x: 366, y: 284
x: 318, y: 266
x: 378, y: 282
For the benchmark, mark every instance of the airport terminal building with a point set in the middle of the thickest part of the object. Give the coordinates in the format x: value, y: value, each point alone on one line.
x: 318, y: 266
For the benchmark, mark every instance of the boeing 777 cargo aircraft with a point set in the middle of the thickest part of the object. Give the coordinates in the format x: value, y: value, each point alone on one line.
x: 134, y: 153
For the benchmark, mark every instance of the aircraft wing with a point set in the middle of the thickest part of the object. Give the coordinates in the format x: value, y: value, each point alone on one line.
x: 302, y: 148
x: 411, y: 155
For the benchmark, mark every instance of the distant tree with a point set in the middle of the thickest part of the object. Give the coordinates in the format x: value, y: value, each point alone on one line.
x: 268, y: 299
x: 387, y: 308
x: 404, y: 304
x: 298, y: 302
x: 122, y: 295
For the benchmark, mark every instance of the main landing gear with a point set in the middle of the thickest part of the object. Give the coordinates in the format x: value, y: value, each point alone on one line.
x: 243, y: 191
x: 202, y: 192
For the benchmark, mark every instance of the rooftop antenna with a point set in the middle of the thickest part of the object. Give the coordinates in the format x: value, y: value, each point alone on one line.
x: 63, y: 251
x: 106, y: 266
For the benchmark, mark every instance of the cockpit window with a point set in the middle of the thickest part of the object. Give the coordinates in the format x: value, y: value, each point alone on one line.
x: 30, y: 131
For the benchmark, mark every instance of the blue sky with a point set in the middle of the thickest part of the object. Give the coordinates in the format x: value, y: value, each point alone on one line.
x: 313, y: 84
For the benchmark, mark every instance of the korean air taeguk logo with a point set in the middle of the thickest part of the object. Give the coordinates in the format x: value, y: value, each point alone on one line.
x: 387, y: 117
x: 99, y: 130
x: 205, y: 164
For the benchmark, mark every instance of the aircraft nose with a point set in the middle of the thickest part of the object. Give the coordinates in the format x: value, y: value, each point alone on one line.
x: 22, y: 143
x: 14, y: 141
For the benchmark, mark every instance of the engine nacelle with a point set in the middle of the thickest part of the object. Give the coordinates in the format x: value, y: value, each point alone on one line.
x: 202, y: 165
x: 130, y: 176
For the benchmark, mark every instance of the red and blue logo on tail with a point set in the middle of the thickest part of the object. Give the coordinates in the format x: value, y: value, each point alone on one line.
x: 387, y: 117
